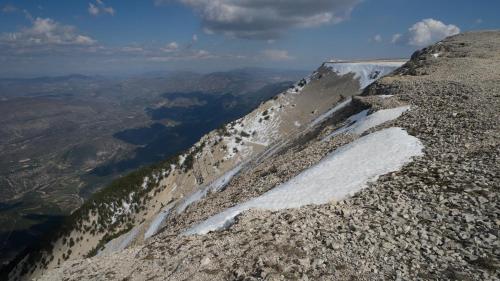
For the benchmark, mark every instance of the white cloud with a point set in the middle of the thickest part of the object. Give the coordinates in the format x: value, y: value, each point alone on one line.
x: 377, y: 38
x: 202, y: 53
x: 479, y: 21
x: 277, y: 55
x: 186, y: 55
x: 8, y: 8
x: 195, y: 38
x: 93, y: 10
x: 84, y: 40
x: 396, y: 37
x: 109, y: 10
x: 44, y: 35
x: 263, y: 19
x: 100, y: 7
x: 425, y: 32
x: 132, y: 49
x: 171, y: 47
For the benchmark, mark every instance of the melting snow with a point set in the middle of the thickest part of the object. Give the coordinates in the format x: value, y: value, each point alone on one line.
x: 366, y: 72
x: 121, y: 242
x: 361, y: 122
x: 215, y: 186
x: 385, y: 96
x: 182, y: 158
x: 262, y: 128
x: 299, y: 86
x: 327, y: 114
x: 340, y: 174
x: 145, y: 182
x: 158, y: 221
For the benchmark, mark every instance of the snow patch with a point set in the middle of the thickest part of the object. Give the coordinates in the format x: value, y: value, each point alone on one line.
x: 215, y: 186
x: 340, y: 174
x: 385, y: 96
x: 121, y: 242
x: 157, y: 222
x: 366, y: 72
x: 361, y: 122
x: 145, y: 182
x: 182, y: 158
x: 260, y: 128
x: 299, y: 86
x: 330, y: 112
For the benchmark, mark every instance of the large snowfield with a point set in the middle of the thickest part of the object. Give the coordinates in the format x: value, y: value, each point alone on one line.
x: 340, y: 174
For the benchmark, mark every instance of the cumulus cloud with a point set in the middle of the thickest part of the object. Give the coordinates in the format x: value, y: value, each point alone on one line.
x: 425, y: 32
x: 44, y: 34
x: 263, y: 19
x: 100, y: 8
x: 276, y: 55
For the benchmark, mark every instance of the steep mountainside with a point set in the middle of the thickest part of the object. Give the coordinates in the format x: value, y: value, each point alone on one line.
x: 63, y: 138
x: 400, y: 182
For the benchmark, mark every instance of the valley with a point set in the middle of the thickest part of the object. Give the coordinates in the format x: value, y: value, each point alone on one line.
x: 64, y: 138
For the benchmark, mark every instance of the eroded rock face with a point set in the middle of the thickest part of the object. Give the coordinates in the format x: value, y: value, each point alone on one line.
x: 436, y: 218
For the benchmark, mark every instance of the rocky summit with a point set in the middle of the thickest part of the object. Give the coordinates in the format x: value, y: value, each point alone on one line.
x: 398, y: 180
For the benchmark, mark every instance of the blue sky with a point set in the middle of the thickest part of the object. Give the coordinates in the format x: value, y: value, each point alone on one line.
x: 115, y: 37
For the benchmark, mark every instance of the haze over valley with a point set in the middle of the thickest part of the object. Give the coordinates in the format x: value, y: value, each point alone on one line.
x: 63, y: 138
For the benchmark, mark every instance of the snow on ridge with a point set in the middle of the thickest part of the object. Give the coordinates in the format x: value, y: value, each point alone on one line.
x: 354, y: 165
x: 361, y: 122
x: 260, y: 128
x: 366, y: 72
x: 299, y: 86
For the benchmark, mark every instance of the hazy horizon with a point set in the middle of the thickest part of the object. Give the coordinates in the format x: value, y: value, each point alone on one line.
x: 98, y: 37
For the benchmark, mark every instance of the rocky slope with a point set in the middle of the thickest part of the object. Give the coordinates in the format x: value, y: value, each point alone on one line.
x: 398, y: 183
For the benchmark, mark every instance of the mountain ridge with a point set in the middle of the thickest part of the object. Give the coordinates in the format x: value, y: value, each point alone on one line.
x: 385, y: 231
